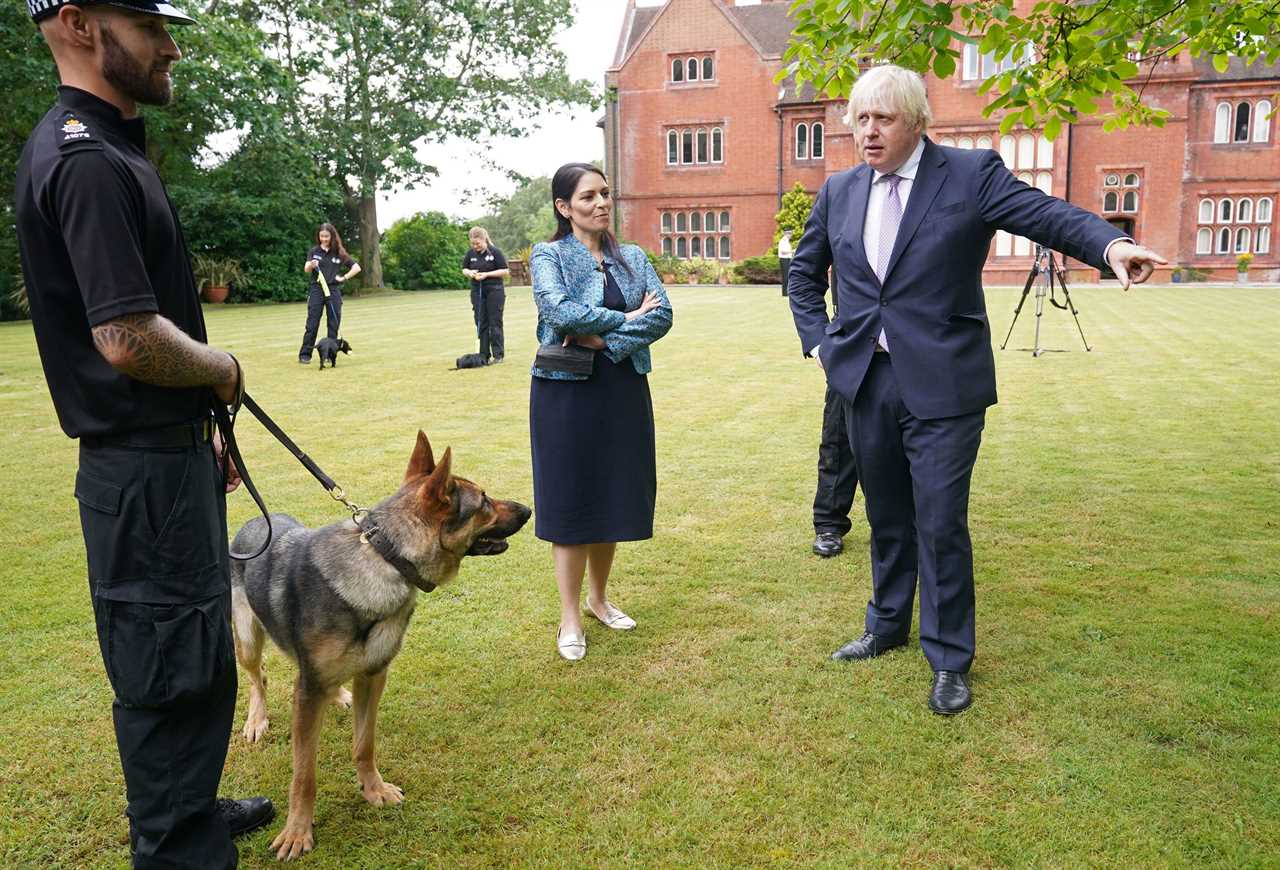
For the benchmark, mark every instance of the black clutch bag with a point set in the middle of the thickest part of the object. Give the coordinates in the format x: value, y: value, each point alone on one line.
x: 574, y: 359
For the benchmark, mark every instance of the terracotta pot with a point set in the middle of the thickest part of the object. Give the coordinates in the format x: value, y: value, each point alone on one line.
x: 1242, y: 277
x: 215, y: 294
x: 668, y: 278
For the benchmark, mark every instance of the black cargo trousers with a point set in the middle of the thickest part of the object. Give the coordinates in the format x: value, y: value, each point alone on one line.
x: 153, y: 512
x: 837, y: 473
x: 487, y: 304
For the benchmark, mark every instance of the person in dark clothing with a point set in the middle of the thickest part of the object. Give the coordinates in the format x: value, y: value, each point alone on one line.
x: 121, y: 337
x: 326, y: 258
x: 837, y: 472
x: 486, y: 267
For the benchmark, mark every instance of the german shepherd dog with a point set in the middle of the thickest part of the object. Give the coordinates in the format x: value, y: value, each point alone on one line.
x: 329, y: 349
x: 339, y: 607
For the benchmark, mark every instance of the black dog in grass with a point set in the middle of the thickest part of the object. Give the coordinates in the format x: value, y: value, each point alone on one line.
x: 328, y: 348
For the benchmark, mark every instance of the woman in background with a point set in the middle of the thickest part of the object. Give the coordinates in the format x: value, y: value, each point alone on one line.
x: 486, y: 266
x: 327, y: 257
x: 594, y: 469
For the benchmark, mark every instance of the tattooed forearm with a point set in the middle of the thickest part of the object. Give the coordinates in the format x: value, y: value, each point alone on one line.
x: 150, y: 348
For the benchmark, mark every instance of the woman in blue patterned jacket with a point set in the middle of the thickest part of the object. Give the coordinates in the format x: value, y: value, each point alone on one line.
x: 594, y: 471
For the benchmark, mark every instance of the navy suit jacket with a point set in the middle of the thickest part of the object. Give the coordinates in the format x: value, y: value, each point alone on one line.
x: 930, y: 305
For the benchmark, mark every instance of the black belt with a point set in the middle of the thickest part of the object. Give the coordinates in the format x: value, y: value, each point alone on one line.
x: 181, y: 435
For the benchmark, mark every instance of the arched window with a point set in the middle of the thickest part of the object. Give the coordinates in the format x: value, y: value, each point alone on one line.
x: 693, y: 69
x: 682, y: 222
x: 1224, y: 212
x: 1224, y: 240
x: 695, y: 246
x: 677, y: 70
x: 1263, y: 245
x: 1242, y: 123
x: 983, y: 143
x: 1264, y: 210
x: 1008, y: 150
x: 802, y: 141
x: 724, y: 247
x: 1026, y: 178
x: 695, y: 222
x: 965, y: 143
x: 1222, y: 123
x: 682, y: 248
x: 1243, y: 237
x: 708, y: 69
x: 1204, y: 241
x: 666, y: 246
x: 1244, y: 211
x: 1004, y: 244
x: 1131, y: 179
x: 1262, y: 121
x: 666, y: 221
x: 709, y: 221
x: 1044, y: 153
x: 717, y: 145
x: 1111, y: 180
x: 1021, y: 246
x: 947, y: 141
x: 1044, y: 182
x: 709, y: 247
x: 816, y: 135
x: 969, y: 72
x: 703, y: 149
x: 1130, y: 200
x: 1206, y: 211
x: 686, y: 146
x: 724, y: 222
x: 673, y: 147
x: 1026, y: 152
x: 1110, y: 201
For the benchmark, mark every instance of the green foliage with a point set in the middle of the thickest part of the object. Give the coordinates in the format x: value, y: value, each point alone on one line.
x: 796, y: 205
x: 523, y: 219
x: 1082, y: 55
x: 703, y: 271
x: 764, y: 269
x: 425, y: 252
x: 1243, y: 261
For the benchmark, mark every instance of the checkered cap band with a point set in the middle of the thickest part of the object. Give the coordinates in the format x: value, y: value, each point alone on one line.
x: 44, y: 8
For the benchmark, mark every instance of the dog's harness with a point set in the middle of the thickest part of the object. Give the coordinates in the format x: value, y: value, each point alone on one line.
x: 370, y: 532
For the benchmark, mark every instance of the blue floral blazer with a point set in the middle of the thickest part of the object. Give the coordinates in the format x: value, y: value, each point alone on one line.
x: 569, y: 292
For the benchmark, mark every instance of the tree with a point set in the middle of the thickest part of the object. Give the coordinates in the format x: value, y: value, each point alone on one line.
x: 393, y: 73
x: 1064, y: 58
x: 523, y: 218
x: 796, y: 205
x: 425, y: 252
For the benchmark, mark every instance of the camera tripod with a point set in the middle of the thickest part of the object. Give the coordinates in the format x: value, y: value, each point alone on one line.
x: 1046, y: 269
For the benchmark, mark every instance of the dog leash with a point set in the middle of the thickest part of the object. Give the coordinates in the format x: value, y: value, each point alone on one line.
x: 370, y: 532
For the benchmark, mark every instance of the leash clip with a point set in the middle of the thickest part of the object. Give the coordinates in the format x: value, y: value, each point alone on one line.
x: 356, y: 511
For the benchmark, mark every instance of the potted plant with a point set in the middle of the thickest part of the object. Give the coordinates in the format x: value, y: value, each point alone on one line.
x: 214, y: 276
x: 1242, y: 268
x: 666, y: 267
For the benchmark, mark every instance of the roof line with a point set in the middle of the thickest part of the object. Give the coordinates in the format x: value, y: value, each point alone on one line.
x: 719, y: 4
x: 627, y: 21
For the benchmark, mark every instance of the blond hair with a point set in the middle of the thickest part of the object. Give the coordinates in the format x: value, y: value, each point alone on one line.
x: 479, y: 233
x: 893, y: 89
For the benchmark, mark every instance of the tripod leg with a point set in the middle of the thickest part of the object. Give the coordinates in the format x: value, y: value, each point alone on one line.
x: 1066, y: 294
x: 1036, y: 350
x: 1025, y: 287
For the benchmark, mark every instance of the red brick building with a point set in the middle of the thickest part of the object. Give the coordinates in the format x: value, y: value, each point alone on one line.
x: 700, y: 144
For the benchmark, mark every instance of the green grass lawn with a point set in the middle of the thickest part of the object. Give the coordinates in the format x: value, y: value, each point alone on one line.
x: 1126, y: 529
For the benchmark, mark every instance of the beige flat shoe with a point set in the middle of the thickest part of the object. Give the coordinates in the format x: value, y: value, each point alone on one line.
x: 613, y: 618
x: 572, y: 647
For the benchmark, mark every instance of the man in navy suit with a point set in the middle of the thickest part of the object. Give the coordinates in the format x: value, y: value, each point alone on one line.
x: 910, y: 350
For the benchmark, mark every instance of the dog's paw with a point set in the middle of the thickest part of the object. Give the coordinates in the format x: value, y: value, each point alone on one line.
x: 343, y: 698
x: 255, y: 728
x: 383, y: 794
x: 294, y: 841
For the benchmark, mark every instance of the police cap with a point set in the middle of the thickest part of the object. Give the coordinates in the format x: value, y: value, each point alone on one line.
x: 40, y: 9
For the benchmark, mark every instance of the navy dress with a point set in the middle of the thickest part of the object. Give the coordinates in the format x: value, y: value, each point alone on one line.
x: 594, y: 472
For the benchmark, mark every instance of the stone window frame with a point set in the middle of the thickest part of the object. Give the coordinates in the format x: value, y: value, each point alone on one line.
x: 701, y: 145
x: 678, y: 230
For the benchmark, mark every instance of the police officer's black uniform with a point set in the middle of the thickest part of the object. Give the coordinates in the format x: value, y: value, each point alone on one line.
x: 100, y: 239
x: 837, y: 471
x: 331, y: 263
x: 488, y: 299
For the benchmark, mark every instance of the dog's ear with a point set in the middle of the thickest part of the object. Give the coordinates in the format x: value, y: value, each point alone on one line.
x: 422, y: 461
x: 439, y: 485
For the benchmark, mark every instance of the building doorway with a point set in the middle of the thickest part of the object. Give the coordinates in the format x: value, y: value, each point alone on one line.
x: 1124, y: 225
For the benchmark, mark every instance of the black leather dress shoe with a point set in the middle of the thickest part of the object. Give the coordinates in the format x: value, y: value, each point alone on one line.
x: 828, y: 544
x: 246, y: 815
x: 866, y: 647
x: 950, y: 693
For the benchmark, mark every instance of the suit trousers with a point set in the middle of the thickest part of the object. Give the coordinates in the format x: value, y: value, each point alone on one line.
x: 332, y: 314
x: 837, y: 472
x: 915, y: 477
x: 154, y: 523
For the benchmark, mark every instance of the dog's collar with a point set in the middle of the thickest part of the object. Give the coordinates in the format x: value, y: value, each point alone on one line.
x: 374, y: 537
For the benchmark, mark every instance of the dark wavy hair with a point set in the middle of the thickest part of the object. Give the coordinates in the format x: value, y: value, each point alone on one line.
x: 335, y: 240
x: 563, y: 185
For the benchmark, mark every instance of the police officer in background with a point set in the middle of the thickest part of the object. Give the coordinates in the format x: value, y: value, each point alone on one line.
x: 485, y: 265
x: 326, y: 258
x: 837, y: 472
x: 122, y: 339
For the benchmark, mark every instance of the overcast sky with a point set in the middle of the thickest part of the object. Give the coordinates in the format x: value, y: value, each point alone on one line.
x: 564, y: 137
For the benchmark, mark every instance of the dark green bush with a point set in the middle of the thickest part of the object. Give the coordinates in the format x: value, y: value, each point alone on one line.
x: 425, y: 252
x: 759, y: 270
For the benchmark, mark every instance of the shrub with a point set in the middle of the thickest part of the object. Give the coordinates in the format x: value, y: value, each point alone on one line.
x: 759, y: 270
x: 425, y: 252
x: 1243, y: 261
x: 703, y: 271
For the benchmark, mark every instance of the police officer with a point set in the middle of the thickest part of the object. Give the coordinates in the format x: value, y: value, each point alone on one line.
x: 837, y: 473
x: 122, y: 339
x: 485, y: 265
x: 327, y: 257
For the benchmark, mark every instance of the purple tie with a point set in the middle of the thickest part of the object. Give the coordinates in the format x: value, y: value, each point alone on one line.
x: 890, y: 218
